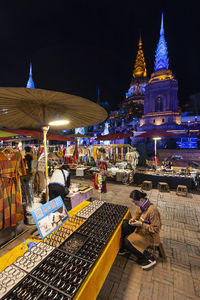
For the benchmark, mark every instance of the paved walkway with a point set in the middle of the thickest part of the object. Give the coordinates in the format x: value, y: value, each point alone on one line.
x: 178, y: 278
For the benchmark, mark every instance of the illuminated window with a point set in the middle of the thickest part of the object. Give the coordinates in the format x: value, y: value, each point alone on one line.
x: 158, y: 104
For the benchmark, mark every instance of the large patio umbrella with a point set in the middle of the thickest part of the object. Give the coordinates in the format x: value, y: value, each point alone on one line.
x: 156, y: 134
x: 4, y: 135
x: 114, y: 136
x: 78, y: 135
x: 39, y: 109
x: 35, y: 134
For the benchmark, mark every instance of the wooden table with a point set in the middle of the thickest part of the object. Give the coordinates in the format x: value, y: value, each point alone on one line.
x: 80, y: 196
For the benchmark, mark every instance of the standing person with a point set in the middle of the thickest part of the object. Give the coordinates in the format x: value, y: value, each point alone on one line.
x: 142, y: 230
x: 59, y: 183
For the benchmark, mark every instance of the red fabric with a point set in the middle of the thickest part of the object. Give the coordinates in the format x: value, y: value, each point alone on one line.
x: 114, y: 136
x: 156, y: 159
x: 76, y: 152
x: 104, y: 187
x: 96, y: 181
x: 38, y: 134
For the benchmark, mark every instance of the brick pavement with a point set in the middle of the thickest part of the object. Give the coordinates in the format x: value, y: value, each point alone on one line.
x: 177, y: 278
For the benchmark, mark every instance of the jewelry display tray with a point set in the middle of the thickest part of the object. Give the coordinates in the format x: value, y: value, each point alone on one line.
x: 99, y: 215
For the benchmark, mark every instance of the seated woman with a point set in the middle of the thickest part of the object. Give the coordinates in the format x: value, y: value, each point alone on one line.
x: 142, y: 230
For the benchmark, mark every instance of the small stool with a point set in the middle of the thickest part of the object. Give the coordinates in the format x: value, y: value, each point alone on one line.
x: 146, y: 185
x: 160, y: 249
x: 163, y: 187
x: 182, y: 190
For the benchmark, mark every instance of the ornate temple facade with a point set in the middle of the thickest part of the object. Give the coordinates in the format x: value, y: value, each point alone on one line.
x: 134, y: 101
x: 161, y: 100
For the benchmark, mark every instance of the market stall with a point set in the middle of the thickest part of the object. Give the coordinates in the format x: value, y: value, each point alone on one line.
x: 38, y: 109
x: 173, y: 180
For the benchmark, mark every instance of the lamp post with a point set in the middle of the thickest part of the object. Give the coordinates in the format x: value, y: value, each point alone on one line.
x: 155, y: 148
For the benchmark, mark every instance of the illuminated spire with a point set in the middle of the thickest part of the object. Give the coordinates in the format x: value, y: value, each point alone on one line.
x: 98, y: 97
x: 30, y: 83
x: 161, y: 57
x: 140, y: 66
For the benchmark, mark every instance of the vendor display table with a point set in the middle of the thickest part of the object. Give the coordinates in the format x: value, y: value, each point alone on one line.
x: 79, y: 197
x: 173, y: 181
x: 92, y: 284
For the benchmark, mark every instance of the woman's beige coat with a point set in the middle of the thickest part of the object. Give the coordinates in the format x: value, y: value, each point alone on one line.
x: 148, y: 234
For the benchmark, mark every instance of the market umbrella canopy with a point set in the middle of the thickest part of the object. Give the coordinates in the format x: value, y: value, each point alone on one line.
x: 34, y: 108
x: 78, y: 135
x: 114, y: 136
x: 35, y: 134
x: 156, y: 133
x: 5, y: 134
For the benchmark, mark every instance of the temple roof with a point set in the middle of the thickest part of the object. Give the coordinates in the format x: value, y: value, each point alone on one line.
x: 140, y: 65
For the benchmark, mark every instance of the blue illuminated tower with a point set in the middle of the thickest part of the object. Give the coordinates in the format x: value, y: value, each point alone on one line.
x: 161, y: 101
x: 30, y: 83
x: 161, y: 57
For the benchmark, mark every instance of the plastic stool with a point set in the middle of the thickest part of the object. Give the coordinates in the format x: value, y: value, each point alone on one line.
x: 163, y: 187
x: 182, y: 190
x: 146, y: 185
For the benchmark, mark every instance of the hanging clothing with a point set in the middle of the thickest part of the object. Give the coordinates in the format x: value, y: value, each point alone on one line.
x: 11, y: 210
x: 102, y: 178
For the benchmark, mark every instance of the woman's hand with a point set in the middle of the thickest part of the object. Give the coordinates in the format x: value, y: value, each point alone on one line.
x: 136, y: 223
x: 131, y: 221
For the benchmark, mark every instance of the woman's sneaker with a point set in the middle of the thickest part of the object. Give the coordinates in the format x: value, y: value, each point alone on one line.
x: 122, y: 251
x: 148, y: 263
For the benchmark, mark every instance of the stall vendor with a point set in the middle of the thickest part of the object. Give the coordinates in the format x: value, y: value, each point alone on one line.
x: 59, y: 183
x: 92, y: 163
x: 142, y: 230
x: 166, y: 164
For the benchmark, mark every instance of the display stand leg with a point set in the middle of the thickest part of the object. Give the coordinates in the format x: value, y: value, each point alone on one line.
x: 45, y: 130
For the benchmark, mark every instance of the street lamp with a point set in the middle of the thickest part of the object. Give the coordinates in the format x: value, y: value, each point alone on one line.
x: 155, y: 147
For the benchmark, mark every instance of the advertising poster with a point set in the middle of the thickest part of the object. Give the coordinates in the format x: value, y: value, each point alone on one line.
x: 50, y: 216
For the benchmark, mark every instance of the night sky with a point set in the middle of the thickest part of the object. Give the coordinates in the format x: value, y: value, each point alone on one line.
x: 80, y: 46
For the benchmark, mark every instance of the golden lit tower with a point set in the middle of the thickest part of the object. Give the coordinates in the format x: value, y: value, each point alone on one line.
x: 140, y: 65
x: 134, y: 101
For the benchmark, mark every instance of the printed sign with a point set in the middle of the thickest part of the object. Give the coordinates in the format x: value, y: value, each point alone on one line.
x: 50, y: 216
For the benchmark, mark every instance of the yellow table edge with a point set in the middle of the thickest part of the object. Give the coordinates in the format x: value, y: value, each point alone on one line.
x: 98, y: 274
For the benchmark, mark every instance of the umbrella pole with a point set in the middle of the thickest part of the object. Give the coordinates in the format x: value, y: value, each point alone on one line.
x: 155, y: 144
x: 45, y: 130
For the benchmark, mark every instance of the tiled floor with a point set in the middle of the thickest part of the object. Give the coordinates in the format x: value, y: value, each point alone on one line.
x: 178, y: 278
